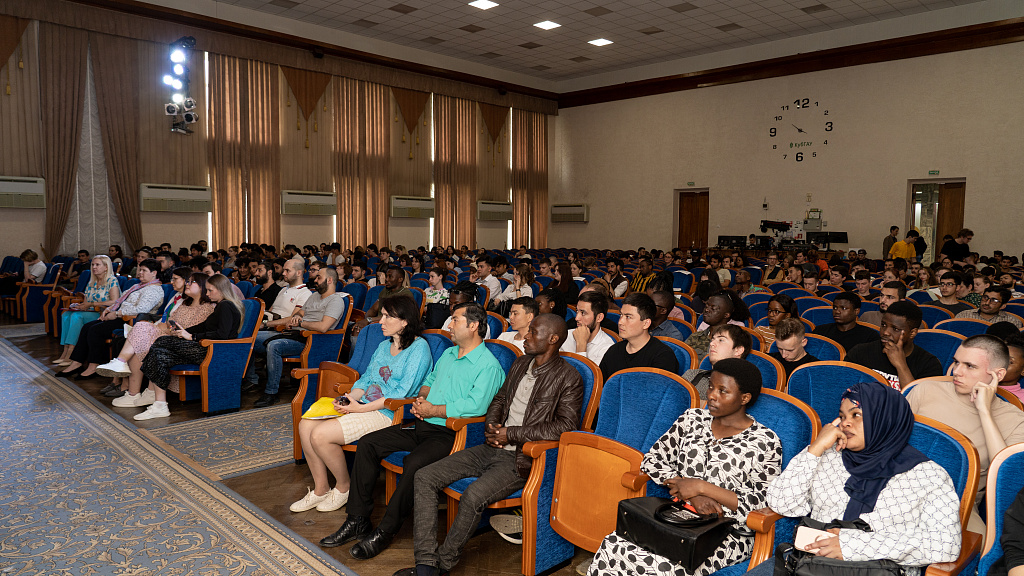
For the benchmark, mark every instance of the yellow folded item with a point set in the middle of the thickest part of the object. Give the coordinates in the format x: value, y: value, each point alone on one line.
x: 322, y: 409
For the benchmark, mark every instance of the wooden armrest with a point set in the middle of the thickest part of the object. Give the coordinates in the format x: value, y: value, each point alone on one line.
x: 969, y: 546
x: 763, y: 520
x: 535, y: 449
x: 130, y: 317
x: 205, y: 342
x: 298, y: 373
x: 357, y: 316
x: 460, y: 423
x: 395, y: 404
x: 634, y: 480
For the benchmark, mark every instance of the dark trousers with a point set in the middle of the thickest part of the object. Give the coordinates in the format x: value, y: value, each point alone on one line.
x: 426, y: 443
x: 497, y: 479
x: 92, y: 347
x: 167, y: 352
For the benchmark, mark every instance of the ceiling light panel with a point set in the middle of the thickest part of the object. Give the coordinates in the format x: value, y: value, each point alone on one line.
x: 547, y: 25
x: 483, y: 4
x: 600, y: 42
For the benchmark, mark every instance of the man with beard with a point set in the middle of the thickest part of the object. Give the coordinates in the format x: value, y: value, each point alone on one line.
x: 587, y: 339
x: 267, y: 282
x: 891, y: 292
x: 894, y: 356
x: 320, y: 313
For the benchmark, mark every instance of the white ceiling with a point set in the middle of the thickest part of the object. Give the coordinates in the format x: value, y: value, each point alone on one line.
x: 643, y: 32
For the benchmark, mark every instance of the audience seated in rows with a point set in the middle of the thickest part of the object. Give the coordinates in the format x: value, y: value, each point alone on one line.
x: 524, y: 310
x: 727, y: 341
x: 637, y: 348
x: 790, y: 343
x: 894, y: 355
x: 780, y: 307
x: 991, y: 309
x: 845, y: 330
x: 101, y: 291
x: 588, y: 339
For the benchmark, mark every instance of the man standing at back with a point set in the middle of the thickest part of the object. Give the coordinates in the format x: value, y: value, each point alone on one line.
x: 541, y: 398
x: 959, y: 248
x: 462, y: 384
x: 968, y: 404
x: 904, y: 248
x: 894, y: 356
x: 889, y: 240
x: 637, y: 348
x: 587, y: 339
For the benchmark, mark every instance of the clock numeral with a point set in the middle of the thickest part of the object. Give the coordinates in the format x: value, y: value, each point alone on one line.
x: 805, y: 103
x: 784, y: 107
x: 772, y: 132
x: 777, y: 118
x: 799, y: 156
x: 828, y: 126
x: 784, y: 156
x: 826, y: 142
x: 826, y: 112
x: 815, y: 103
x: 814, y: 154
x: 774, y: 147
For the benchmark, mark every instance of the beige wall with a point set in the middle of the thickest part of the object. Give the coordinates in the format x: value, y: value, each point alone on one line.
x: 20, y: 229
x: 960, y: 113
x: 301, y: 230
x: 180, y: 229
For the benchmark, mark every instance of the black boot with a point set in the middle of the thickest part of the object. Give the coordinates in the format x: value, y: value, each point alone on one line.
x: 353, y: 528
x: 374, y: 544
x: 265, y: 400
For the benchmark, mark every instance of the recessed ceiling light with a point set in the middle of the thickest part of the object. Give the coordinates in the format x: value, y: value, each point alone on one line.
x: 483, y: 4
x: 547, y: 25
x: 600, y: 42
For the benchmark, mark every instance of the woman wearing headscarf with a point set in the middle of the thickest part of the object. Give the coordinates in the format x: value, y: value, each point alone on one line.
x: 861, y: 466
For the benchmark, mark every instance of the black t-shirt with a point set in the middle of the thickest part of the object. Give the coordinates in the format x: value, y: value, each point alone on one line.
x: 956, y: 251
x: 790, y: 366
x: 856, y: 335
x: 268, y: 295
x: 954, y: 308
x: 921, y: 362
x: 654, y: 354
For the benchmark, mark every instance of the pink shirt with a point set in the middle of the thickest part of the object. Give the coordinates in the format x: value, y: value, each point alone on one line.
x: 1016, y: 390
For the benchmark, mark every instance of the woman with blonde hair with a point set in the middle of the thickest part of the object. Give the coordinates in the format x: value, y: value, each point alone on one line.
x: 100, y: 292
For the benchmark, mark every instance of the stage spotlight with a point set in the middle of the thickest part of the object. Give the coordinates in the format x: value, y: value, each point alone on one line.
x: 171, y: 109
x: 176, y: 84
x: 177, y: 55
x: 177, y: 98
x: 168, y: 79
x: 189, y: 104
x: 190, y: 117
x: 179, y: 70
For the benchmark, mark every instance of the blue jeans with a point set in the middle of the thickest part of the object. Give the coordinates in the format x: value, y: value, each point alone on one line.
x: 274, y: 351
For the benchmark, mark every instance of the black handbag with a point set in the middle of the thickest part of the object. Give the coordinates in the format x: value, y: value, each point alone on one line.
x: 667, y: 529
x: 789, y: 561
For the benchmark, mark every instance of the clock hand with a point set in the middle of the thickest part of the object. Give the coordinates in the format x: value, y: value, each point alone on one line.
x: 798, y: 129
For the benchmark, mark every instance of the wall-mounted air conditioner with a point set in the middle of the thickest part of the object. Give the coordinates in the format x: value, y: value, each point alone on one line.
x: 17, y: 192
x: 412, y: 207
x: 173, y: 198
x: 308, y: 203
x: 488, y: 210
x: 570, y: 213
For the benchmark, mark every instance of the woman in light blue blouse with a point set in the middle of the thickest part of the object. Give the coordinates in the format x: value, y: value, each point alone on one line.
x: 396, y: 370
x: 101, y: 291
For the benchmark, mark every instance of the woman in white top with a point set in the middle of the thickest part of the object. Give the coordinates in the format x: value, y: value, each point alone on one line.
x: 521, y: 285
x: 101, y: 291
x: 577, y: 270
x: 436, y: 293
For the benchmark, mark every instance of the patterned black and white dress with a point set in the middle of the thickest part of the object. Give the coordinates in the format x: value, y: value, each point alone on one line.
x: 744, y: 463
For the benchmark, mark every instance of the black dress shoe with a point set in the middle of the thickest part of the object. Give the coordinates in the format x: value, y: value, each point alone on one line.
x: 109, y: 388
x: 265, y: 400
x: 353, y: 528
x: 80, y: 377
x: 249, y: 386
x: 70, y: 373
x: 374, y: 544
x: 421, y: 570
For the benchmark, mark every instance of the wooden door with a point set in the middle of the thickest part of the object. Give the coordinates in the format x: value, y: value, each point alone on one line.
x: 950, y: 216
x: 693, y: 219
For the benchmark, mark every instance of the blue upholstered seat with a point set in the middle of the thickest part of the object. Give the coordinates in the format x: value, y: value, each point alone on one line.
x: 1005, y: 481
x: 371, y: 297
x: 685, y: 355
x: 821, y: 385
x: 820, y: 347
x: 805, y: 303
x: 932, y: 315
x: 358, y: 290
x: 818, y: 315
x: 940, y: 343
x: 964, y: 327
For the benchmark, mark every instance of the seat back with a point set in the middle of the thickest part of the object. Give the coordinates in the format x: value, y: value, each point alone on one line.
x: 613, y: 335
x: 818, y: 315
x: 253, y: 316
x: 83, y: 280
x: 593, y: 383
x: 964, y: 326
x: 371, y: 297
x: 496, y: 323
x: 820, y: 347
x: 505, y: 353
x: 685, y: 329
x: 483, y: 294
x: 418, y: 297
x: 688, y: 314
x: 934, y: 314
x: 686, y: 356
x: 868, y: 306
x: 366, y: 344
x: 940, y: 343
x: 954, y: 452
x: 639, y: 404
x: 439, y: 341
x: 358, y: 290
x: 773, y: 375
x: 682, y: 281
x: 758, y: 310
x: 920, y: 296
x: 792, y: 420
x: 1005, y: 481
x: 821, y: 385
x: 756, y: 297
x: 247, y: 288
x: 807, y: 302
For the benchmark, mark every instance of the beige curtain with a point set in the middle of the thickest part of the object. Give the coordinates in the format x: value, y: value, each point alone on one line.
x: 244, y: 151
x: 306, y: 143
x: 529, y: 179
x: 21, y: 144
x: 62, y: 72
x: 455, y: 174
x: 361, y: 160
x: 164, y: 156
x: 492, y: 150
x: 411, y: 165
x: 116, y: 73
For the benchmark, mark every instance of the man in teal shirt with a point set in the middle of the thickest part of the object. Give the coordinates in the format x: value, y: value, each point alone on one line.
x: 464, y: 380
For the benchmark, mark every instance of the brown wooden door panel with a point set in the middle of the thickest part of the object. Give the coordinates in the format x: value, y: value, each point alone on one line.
x: 950, y: 216
x: 693, y: 219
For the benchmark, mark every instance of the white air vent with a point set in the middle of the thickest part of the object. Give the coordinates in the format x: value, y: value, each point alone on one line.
x: 308, y: 203
x: 18, y: 192
x: 171, y: 198
x: 487, y: 210
x: 570, y: 213
x: 412, y: 207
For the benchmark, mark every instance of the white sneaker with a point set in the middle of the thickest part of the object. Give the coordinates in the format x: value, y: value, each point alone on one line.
x: 146, y: 398
x: 333, y: 500
x: 128, y: 401
x: 157, y: 410
x: 114, y: 368
x: 309, y: 501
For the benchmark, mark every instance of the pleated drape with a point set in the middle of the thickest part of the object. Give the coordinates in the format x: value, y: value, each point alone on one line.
x: 20, y: 135
x: 116, y: 70
x: 244, y: 152
x: 62, y: 66
x: 361, y: 160
x: 529, y: 179
x: 454, y: 171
